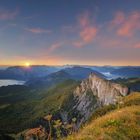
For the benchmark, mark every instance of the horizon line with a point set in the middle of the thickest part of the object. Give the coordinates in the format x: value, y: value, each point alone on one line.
x: 6, y: 65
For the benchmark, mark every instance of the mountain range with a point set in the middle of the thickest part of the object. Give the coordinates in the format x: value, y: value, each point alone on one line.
x: 27, y: 73
x: 127, y: 72
x: 75, y: 73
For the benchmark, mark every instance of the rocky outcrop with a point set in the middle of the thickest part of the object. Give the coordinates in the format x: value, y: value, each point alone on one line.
x: 93, y: 93
x: 105, y: 91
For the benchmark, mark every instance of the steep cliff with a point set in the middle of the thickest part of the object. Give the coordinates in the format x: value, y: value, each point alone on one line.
x: 104, y: 90
x: 91, y: 94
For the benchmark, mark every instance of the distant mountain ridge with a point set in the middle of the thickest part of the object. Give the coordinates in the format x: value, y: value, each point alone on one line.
x: 132, y: 83
x: 75, y: 73
x: 36, y: 71
x: 50, y: 80
x: 127, y: 72
x: 25, y: 73
x: 80, y: 73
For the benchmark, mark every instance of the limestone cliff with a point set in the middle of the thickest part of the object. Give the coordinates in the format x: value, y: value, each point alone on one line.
x: 104, y: 90
x: 93, y: 93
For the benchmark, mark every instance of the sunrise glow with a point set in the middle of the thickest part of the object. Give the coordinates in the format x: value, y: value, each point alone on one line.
x: 86, y: 32
x: 27, y: 64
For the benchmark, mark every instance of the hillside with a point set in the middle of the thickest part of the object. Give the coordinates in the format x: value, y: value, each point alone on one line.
x: 110, y: 122
x: 66, y: 101
x: 123, y: 123
x: 26, y: 113
x: 81, y: 102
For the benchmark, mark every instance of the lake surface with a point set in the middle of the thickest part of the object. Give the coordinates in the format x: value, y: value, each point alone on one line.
x: 110, y: 76
x: 4, y: 82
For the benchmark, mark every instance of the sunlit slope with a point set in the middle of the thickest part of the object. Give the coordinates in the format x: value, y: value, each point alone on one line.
x: 123, y: 123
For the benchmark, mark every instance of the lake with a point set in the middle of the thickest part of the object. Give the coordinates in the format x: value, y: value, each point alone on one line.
x: 6, y: 82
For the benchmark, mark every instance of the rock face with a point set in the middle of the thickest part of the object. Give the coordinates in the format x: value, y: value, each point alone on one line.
x: 95, y: 92
x: 105, y: 91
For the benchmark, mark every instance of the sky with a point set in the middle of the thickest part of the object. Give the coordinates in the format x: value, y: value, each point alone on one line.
x: 59, y: 32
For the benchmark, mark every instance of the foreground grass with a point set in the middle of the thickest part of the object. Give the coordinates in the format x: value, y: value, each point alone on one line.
x: 122, y: 124
x: 132, y: 99
x: 111, y: 123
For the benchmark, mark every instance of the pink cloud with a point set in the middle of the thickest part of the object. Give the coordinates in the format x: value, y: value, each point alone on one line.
x: 88, y: 31
x: 137, y: 45
x: 88, y: 34
x: 8, y: 15
x: 37, y: 30
x: 127, y: 25
x: 55, y: 46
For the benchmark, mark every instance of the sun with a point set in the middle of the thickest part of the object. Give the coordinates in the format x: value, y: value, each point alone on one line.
x: 27, y: 64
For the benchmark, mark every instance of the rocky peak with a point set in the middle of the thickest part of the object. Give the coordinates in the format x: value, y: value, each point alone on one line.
x: 91, y: 94
x: 105, y: 91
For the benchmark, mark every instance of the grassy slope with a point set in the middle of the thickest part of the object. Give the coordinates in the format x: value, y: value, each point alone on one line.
x: 119, y: 124
x: 26, y: 112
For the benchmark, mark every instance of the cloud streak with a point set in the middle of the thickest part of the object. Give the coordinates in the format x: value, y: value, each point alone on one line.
x: 55, y: 46
x: 8, y: 15
x: 37, y: 30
